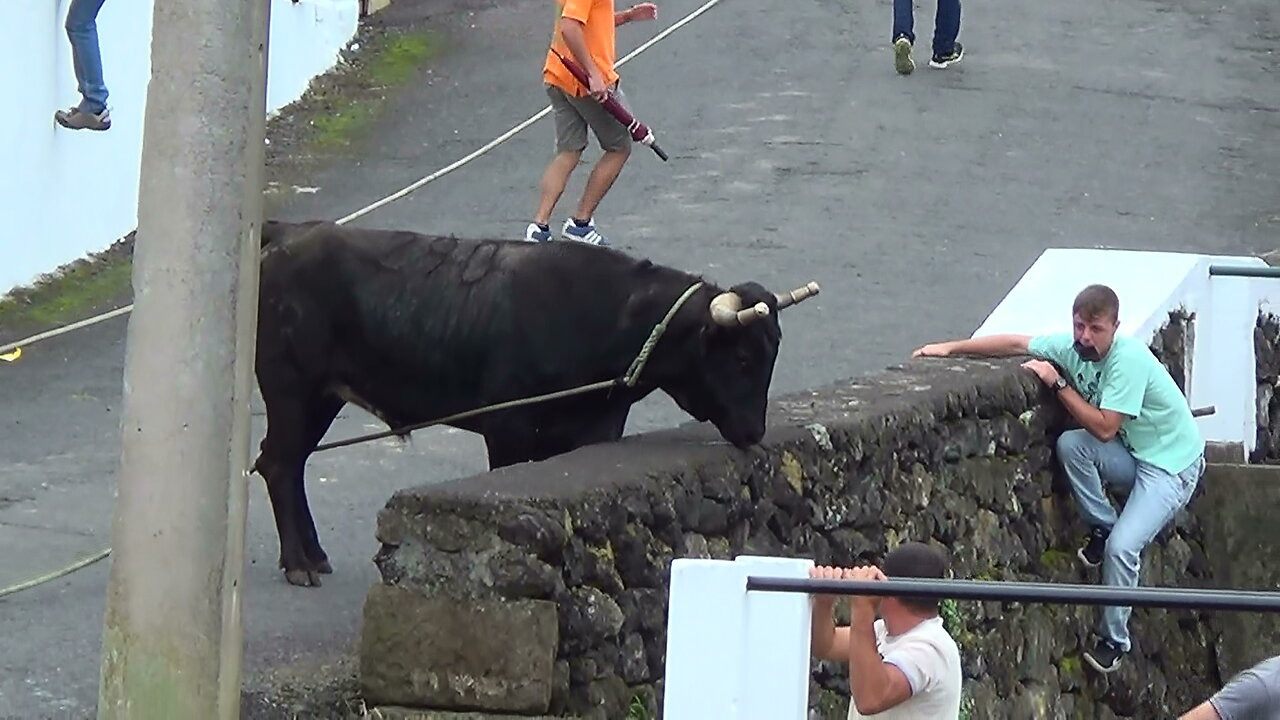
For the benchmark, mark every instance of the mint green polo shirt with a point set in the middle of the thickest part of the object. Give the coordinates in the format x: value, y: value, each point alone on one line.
x: 1158, y: 427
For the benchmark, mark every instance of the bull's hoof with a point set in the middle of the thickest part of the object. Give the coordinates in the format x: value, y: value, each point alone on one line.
x: 303, y: 578
x: 324, y: 568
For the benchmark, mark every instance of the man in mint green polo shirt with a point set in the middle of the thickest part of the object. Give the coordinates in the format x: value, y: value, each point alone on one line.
x: 1137, y: 436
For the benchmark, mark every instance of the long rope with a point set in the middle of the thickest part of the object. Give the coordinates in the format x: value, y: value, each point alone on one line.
x: 630, y: 378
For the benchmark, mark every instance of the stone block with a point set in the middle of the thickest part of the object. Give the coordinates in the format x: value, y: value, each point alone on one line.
x: 450, y: 654
x: 1238, y: 512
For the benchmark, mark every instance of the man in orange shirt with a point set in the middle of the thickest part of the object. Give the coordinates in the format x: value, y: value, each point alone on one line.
x: 584, y: 32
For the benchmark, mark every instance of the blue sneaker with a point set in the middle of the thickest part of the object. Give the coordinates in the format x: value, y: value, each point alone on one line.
x: 582, y: 233
x: 537, y: 233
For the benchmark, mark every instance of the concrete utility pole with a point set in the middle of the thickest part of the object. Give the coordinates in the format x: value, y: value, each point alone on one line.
x: 172, y: 644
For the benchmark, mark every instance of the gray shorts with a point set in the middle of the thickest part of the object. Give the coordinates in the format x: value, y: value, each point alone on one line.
x: 574, y: 114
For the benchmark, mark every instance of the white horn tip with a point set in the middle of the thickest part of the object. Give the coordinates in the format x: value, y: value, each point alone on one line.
x: 747, y: 315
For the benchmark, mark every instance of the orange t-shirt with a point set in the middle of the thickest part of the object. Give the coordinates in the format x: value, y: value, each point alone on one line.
x: 597, y: 16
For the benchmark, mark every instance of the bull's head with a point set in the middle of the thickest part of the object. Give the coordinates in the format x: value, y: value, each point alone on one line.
x: 737, y: 348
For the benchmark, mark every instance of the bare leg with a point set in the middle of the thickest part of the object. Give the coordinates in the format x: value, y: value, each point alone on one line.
x: 554, y: 180
x: 601, y: 179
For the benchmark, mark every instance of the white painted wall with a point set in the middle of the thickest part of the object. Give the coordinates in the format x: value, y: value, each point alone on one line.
x: 734, y: 655
x: 65, y: 193
x: 1150, y: 285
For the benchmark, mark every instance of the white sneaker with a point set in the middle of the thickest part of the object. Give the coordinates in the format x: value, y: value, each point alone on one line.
x: 533, y: 233
x: 584, y: 233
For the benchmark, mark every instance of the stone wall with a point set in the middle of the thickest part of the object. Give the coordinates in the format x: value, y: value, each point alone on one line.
x: 541, y: 589
x: 1266, y: 342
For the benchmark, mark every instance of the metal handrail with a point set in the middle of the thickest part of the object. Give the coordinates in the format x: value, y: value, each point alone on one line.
x: 1029, y: 592
x: 1250, y: 271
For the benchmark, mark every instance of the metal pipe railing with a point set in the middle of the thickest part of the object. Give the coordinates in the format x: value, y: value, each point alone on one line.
x: 1029, y: 592
x: 1251, y: 271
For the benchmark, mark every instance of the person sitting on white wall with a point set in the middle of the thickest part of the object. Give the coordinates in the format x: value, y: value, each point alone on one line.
x: 903, y: 666
x: 1137, y: 435
x: 82, y: 30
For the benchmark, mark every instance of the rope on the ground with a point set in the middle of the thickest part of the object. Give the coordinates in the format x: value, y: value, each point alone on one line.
x: 85, y: 562
x: 630, y: 378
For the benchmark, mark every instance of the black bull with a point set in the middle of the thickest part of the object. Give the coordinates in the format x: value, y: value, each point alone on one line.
x: 413, y: 327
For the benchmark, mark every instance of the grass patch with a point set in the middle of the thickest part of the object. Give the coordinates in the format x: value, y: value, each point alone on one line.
x: 336, y: 129
x: 403, y: 55
x: 341, y: 105
x: 99, y: 283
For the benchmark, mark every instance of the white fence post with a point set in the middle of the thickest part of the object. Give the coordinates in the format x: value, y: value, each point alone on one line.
x: 733, y: 655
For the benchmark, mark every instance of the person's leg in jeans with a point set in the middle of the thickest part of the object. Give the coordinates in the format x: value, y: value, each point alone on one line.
x: 1156, y: 497
x: 82, y: 32
x: 946, y: 28
x: 904, y: 35
x: 1090, y: 464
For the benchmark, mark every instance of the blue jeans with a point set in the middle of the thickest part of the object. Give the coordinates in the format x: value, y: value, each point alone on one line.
x: 82, y: 31
x: 1154, y: 497
x: 946, y: 24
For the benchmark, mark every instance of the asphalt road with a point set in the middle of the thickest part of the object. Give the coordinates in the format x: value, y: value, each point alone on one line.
x: 797, y: 154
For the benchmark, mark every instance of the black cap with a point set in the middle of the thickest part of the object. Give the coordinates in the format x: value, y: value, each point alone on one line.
x: 915, y: 560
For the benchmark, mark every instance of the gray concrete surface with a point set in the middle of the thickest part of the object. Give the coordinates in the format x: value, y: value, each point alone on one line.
x: 796, y: 154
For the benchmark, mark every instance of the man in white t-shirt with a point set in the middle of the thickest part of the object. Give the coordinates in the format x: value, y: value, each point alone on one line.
x: 904, y: 665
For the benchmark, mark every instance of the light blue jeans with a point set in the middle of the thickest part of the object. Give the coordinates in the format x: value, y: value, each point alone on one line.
x: 1154, y: 497
x: 86, y: 58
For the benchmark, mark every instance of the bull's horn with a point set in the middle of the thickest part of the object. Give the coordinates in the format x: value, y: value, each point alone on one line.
x: 726, y: 310
x: 798, y: 295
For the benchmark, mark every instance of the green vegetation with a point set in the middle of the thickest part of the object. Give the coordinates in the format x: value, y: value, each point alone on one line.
x: 1056, y: 559
x: 637, y: 710
x: 92, y: 285
x: 392, y: 61
x: 966, y: 705
x: 955, y: 624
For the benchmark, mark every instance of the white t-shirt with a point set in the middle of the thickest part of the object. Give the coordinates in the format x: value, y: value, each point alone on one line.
x: 929, y: 658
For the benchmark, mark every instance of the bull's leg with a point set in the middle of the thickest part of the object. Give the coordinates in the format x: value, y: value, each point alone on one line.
x: 320, y: 416
x: 295, y: 424
x: 280, y: 464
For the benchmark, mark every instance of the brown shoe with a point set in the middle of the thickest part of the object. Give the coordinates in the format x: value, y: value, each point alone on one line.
x: 77, y: 119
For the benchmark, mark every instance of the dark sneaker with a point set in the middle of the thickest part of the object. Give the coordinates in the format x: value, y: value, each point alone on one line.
x: 537, y: 233
x: 951, y: 58
x: 582, y: 233
x: 1104, y: 657
x: 902, y: 61
x: 77, y: 119
x: 1091, y: 554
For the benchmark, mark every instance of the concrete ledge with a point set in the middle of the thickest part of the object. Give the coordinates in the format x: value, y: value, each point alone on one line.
x: 1241, y: 507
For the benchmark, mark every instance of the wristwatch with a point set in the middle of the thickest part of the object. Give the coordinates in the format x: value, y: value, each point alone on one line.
x: 1059, y: 384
